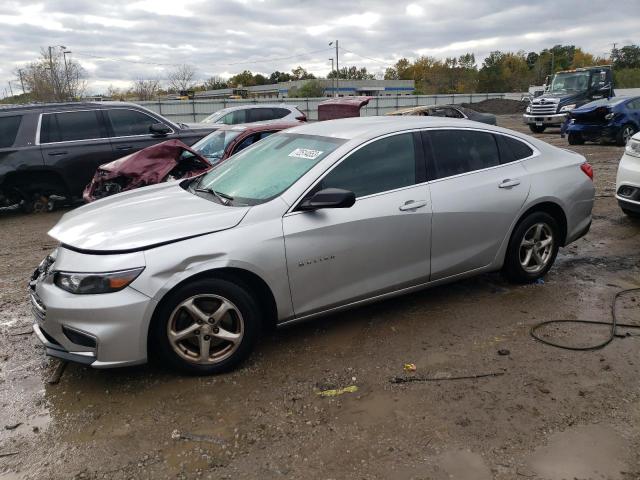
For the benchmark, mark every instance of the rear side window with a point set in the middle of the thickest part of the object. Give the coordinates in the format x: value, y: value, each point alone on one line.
x: 512, y: 149
x: 69, y: 126
x: 280, y: 112
x: 260, y: 114
x: 9, y: 129
x: 130, y: 122
x: 382, y: 165
x: 462, y: 151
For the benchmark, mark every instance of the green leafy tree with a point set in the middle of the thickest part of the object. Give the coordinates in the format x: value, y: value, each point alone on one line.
x: 353, y: 73
x: 311, y: 88
x: 300, y: 73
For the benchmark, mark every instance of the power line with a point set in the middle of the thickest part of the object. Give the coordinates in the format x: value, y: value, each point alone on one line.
x: 368, y: 58
x: 245, y: 62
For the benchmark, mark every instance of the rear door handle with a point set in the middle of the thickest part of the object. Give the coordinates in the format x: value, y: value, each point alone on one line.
x: 56, y: 154
x: 412, y: 205
x: 123, y: 147
x: 508, y: 183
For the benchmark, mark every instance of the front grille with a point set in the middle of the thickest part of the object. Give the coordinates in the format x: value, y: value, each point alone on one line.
x: 543, y: 109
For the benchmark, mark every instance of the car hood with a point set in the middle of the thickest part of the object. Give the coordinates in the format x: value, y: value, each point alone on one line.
x: 144, y: 218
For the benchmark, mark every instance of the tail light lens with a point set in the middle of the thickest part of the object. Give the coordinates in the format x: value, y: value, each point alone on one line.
x: 302, y: 118
x: 587, y: 169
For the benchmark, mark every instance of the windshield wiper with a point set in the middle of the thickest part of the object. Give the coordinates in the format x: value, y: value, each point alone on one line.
x: 223, y: 198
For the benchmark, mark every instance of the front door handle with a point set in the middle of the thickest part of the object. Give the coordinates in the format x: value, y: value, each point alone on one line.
x: 123, y: 147
x: 508, y: 183
x: 56, y: 154
x: 412, y: 205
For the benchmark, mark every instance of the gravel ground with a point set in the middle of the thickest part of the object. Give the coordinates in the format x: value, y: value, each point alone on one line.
x: 546, y: 414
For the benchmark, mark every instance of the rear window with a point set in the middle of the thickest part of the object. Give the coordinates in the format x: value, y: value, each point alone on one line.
x: 69, y: 126
x: 512, y: 149
x: 9, y: 129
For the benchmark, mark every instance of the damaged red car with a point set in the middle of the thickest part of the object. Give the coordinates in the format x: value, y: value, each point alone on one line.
x: 173, y: 160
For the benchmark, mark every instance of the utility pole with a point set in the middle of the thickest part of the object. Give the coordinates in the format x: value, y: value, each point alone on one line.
x: 66, y: 72
x: 21, y: 79
x: 337, y: 71
x: 53, y: 81
x: 10, y: 89
x: 332, y: 81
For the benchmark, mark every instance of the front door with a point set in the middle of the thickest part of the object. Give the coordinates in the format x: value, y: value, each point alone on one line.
x: 380, y: 244
x: 130, y: 131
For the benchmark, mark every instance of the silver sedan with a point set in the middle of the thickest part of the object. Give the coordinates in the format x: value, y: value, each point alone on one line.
x: 312, y: 220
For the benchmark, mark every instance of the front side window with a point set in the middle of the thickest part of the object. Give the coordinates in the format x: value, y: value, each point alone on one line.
x: 462, y: 151
x: 70, y: 126
x: 130, y: 122
x: 266, y: 170
x: 9, y: 129
x: 382, y: 165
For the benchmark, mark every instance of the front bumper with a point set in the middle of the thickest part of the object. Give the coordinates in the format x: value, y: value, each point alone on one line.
x: 104, y: 330
x: 594, y: 131
x: 628, y: 183
x: 544, y: 120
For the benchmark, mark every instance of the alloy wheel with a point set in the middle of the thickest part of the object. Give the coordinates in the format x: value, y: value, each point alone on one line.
x: 536, y: 248
x: 205, y: 329
x: 627, y: 133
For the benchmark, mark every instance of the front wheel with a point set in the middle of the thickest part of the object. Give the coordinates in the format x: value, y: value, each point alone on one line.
x: 532, y: 248
x: 536, y: 128
x: 625, y: 133
x: 575, y: 138
x: 205, y: 327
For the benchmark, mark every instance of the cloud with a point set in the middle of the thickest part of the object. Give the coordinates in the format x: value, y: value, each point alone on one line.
x: 223, y: 37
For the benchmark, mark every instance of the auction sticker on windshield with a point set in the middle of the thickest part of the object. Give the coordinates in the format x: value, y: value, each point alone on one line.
x: 306, y: 153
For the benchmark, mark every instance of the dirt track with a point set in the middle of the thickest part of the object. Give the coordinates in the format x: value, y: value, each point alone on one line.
x: 552, y: 413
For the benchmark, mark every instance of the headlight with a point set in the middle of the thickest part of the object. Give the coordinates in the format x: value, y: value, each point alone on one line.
x: 633, y: 147
x: 567, y: 108
x: 91, y: 283
x: 609, y: 116
x: 528, y: 109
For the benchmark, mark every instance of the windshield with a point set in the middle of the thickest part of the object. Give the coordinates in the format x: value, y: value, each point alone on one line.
x: 212, y: 146
x: 570, y: 82
x: 265, y: 170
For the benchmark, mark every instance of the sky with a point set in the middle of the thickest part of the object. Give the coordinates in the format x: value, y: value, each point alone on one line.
x: 119, y: 41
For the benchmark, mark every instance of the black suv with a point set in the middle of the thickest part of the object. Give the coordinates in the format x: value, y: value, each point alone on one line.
x: 50, y: 152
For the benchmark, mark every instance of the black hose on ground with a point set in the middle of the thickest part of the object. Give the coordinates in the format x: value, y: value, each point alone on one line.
x: 613, y: 323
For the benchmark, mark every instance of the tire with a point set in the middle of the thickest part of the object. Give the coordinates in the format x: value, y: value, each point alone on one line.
x: 514, y: 263
x: 624, y: 134
x: 200, y: 300
x: 630, y: 213
x: 536, y: 128
x: 575, y: 138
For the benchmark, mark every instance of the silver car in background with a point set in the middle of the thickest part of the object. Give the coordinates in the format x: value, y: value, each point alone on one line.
x: 312, y: 220
x: 256, y: 113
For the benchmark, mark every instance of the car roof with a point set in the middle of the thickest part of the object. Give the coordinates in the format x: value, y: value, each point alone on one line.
x: 364, y: 128
x: 66, y: 105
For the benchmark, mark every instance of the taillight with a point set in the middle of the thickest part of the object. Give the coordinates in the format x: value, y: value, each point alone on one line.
x: 587, y: 169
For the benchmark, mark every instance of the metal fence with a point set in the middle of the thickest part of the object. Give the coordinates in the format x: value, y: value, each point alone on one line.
x: 198, y: 110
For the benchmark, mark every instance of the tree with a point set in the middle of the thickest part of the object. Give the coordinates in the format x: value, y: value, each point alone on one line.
x: 181, y: 79
x: 504, y: 72
x: 626, y: 57
x: 353, y: 73
x: 260, y: 79
x: 300, y: 73
x: 146, y: 89
x: 215, y: 83
x: 245, y: 79
x: 53, y: 78
x: 310, y: 88
x: 277, y: 77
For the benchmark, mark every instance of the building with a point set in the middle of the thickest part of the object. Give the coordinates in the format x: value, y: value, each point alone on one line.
x: 346, y: 88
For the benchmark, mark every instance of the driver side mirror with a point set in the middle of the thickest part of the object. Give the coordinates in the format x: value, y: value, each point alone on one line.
x: 159, y: 129
x: 328, y: 198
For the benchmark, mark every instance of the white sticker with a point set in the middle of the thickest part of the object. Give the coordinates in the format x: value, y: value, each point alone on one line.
x: 305, y: 153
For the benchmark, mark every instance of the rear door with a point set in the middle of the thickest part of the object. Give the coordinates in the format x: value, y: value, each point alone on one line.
x: 74, y: 143
x: 130, y: 132
x: 477, y: 190
x: 380, y: 244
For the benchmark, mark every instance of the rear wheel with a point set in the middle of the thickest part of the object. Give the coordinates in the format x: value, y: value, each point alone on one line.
x: 532, y: 248
x: 536, y: 128
x: 625, y: 133
x: 575, y: 138
x: 205, y: 327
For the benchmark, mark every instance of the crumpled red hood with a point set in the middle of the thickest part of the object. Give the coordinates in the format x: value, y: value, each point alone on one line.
x: 148, y: 166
